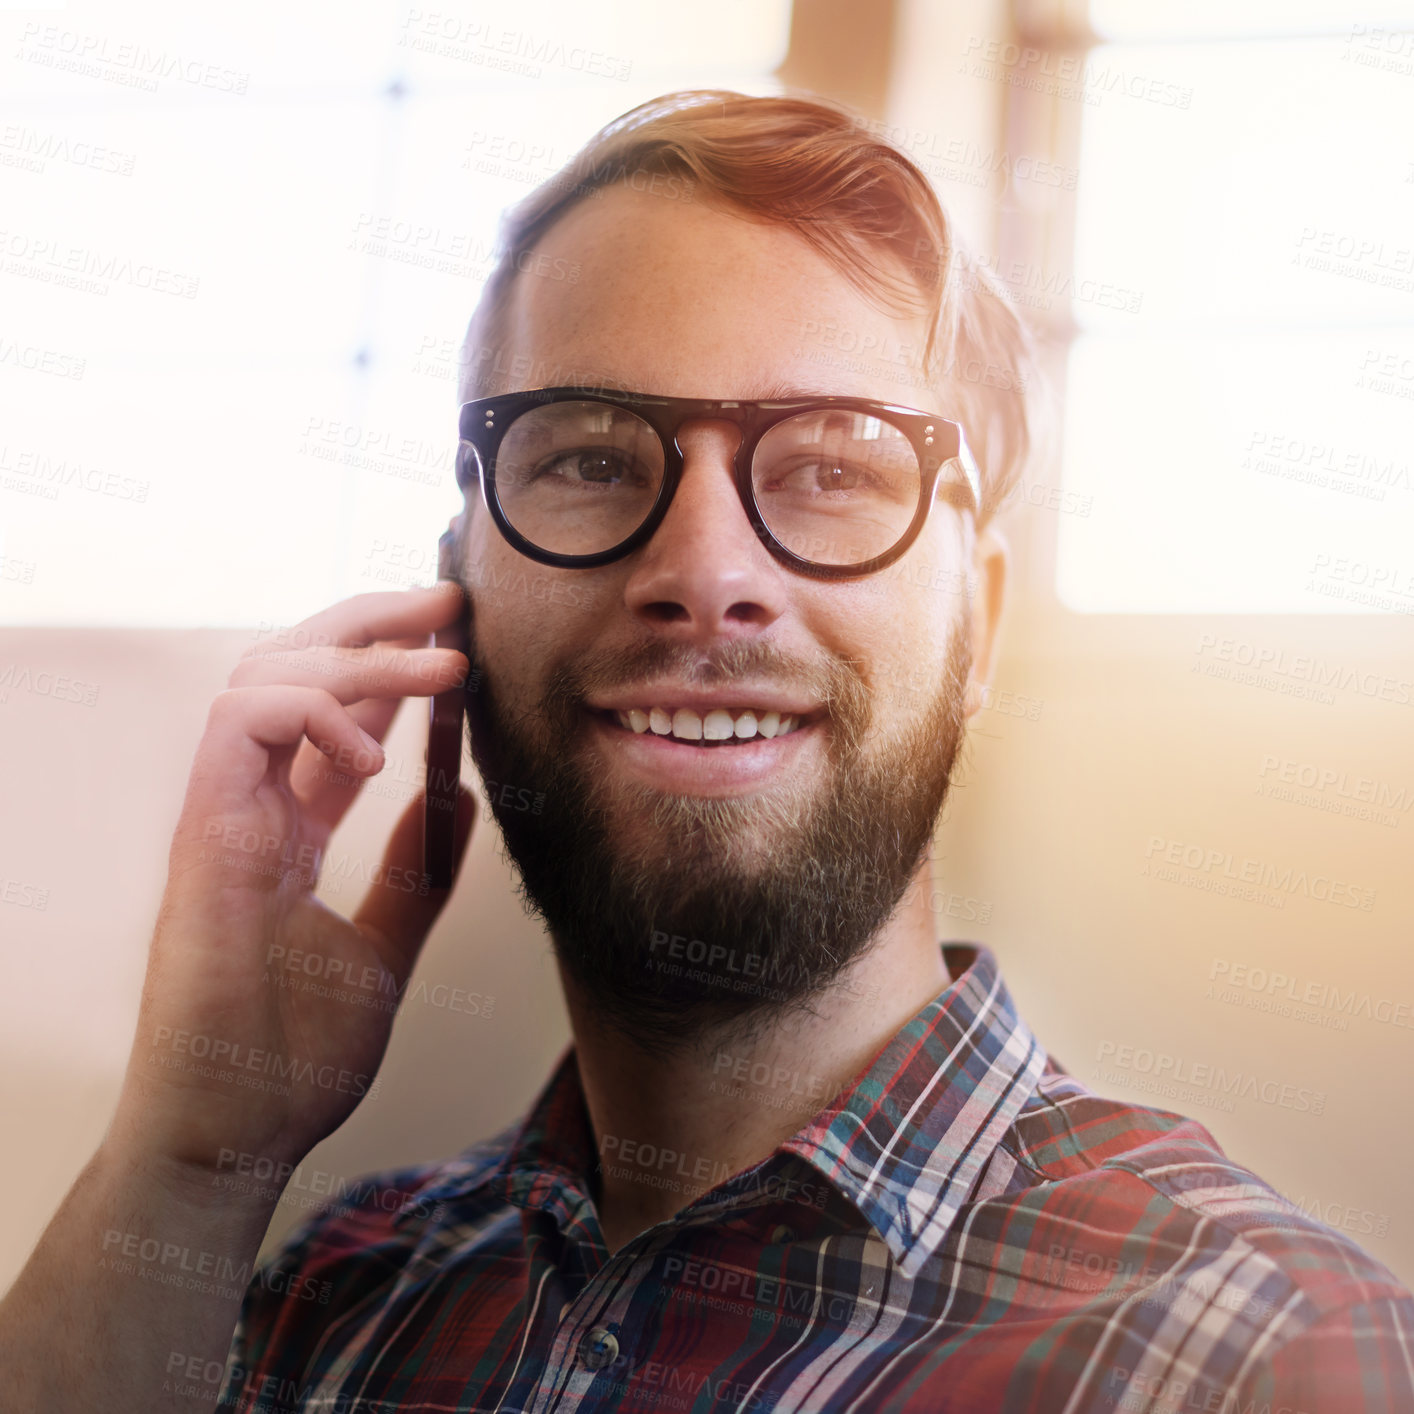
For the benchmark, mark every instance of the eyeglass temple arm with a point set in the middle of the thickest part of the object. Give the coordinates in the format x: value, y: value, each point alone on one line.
x: 970, y: 469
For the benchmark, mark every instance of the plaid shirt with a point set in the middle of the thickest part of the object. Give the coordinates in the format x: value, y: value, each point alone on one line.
x: 966, y: 1228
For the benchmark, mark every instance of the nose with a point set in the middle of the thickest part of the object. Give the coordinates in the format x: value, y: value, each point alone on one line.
x: 705, y: 575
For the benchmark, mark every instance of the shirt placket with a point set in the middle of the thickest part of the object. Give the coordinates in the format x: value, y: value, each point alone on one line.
x: 595, y: 1332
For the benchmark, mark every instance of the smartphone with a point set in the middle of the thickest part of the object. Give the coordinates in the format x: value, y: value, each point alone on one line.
x: 444, y: 746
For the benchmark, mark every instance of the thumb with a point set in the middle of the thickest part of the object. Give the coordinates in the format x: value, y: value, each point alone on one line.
x: 401, y: 908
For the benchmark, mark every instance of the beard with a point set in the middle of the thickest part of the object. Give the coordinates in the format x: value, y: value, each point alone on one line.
x: 686, y: 919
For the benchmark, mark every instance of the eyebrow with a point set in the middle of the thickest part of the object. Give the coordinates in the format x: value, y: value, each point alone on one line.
x: 772, y: 390
x: 777, y: 389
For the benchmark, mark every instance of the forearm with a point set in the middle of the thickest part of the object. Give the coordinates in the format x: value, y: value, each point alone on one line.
x: 131, y: 1297
x: 129, y: 1301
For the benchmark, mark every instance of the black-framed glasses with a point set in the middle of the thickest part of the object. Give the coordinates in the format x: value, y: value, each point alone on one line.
x: 834, y: 486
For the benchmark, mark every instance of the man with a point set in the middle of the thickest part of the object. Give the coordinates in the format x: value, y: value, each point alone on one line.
x: 798, y: 1156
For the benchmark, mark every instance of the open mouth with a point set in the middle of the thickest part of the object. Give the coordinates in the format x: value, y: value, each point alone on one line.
x: 722, y: 726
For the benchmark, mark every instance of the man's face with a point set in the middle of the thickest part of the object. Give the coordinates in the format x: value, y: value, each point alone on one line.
x: 790, y: 851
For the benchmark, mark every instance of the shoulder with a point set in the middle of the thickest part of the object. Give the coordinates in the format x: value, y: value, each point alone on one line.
x: 1070, y: 1136
x: 369, y: 1234
x: 405, y: 1199
x: 1144, y: 1205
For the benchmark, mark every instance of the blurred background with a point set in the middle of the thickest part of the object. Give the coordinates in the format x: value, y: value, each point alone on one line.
x: 238, y: 251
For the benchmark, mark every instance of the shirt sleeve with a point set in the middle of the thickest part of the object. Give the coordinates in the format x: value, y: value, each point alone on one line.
x: 1357, y: 1360
x: 234, y: 1379
x: 242, y: 1383
x: 321, y: 1271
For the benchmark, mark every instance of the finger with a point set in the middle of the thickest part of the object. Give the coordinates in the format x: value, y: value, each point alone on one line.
x: 375, y: 714
x: 249, y: 728
x: 352, y: 674
x: 366, y: 618
x: 311, y: 771
x: 396, y: 917
x: 325, y: 791
x: 273, y: 647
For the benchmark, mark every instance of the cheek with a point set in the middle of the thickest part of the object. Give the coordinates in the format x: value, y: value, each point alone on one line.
x: 508, y: 589
x: 513, y: 654
x: 917, y: 665
x: 894, y: 632
x: 527, y: 616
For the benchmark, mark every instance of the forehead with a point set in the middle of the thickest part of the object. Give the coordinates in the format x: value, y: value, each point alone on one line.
x: 692, y: 299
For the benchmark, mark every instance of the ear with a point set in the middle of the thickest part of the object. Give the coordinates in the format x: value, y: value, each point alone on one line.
x: 449, y: 547
x: 455, y: 545
x: 989, y: 568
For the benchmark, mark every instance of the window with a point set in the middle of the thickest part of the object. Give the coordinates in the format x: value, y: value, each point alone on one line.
x: 238, y: 257
x: 1233, y: 272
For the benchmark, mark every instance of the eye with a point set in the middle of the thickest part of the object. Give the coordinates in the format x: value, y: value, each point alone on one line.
x: 590, y: 466
x: 838, y: 476
x: 816, y: 475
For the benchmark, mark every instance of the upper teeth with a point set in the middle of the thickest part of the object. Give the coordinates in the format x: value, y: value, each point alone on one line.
x: 717, y: 725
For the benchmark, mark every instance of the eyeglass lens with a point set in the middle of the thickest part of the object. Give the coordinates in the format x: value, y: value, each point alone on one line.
x: 835, y: 487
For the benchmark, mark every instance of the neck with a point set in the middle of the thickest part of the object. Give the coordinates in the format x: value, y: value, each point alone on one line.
x: 669, y: 1128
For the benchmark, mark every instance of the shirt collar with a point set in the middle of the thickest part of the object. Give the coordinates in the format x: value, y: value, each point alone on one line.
x: 905, y: 1143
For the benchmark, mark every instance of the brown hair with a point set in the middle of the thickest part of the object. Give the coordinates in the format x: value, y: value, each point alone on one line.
x: 817, y: 168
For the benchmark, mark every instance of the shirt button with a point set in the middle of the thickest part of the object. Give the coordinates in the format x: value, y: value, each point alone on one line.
x: 781, y: 1234
x: 599, y: 1348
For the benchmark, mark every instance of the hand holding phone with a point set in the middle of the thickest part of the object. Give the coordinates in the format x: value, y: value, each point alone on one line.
x: 265, y: 1012
x: 244, y: 957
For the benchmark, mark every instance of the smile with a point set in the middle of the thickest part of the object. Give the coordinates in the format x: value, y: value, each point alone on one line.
x: 719, y: 727
x: 690, y: 758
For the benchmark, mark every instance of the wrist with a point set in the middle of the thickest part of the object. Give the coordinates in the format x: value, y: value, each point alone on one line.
x: 198, y: 1188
